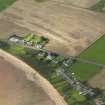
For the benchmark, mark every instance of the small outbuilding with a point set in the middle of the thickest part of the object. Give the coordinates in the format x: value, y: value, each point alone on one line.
x: 14, y: 38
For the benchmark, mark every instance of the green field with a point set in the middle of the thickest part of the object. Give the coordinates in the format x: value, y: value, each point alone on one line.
x: 95, y: 53
x: 98, y: 6
x: 5, y: 4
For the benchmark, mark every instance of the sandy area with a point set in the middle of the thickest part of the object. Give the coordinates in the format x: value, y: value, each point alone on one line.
x: 70, y: 29
x: 21, y: 85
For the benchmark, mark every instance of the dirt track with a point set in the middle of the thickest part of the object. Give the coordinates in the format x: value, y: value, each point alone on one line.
x: 21, y: 85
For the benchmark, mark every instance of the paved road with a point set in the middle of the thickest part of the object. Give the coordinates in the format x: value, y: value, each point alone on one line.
x: 90, y: 62
x: 78, y: 59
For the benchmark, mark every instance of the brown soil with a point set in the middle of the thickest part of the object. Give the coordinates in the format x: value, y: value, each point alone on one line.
x: 22, y: 85
x: 98, y: 81
x: 70, y: 29
x: 16, y: 89
x: 80, y: 3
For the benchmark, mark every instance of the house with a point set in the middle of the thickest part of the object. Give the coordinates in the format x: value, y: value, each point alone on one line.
x: 38, y: 46
x: 42, y: 54
x: 51, y: 55
x: 58, y: 59
x: 16, y: 39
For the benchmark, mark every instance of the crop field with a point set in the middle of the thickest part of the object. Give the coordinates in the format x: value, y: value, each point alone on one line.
x: 98, y: 81
x: 80, y: 3
x: 5, y: 4
x: 69, y: 29
x: 95, y: 53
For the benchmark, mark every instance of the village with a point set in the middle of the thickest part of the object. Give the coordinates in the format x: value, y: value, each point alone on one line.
x: 37, y: 43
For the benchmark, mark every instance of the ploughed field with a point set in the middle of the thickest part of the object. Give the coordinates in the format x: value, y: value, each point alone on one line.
x: 16, y: 89
x: 80, y: 3
x: 69, y: 29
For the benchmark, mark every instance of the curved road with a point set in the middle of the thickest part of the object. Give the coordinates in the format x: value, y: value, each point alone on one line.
x: 22, y: 85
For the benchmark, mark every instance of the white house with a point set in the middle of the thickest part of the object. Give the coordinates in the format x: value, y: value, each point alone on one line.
x: 15, y: 39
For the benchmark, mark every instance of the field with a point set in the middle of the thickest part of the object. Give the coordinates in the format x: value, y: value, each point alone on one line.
x: 95, y: 53
x: 99, y: 6
x: 48, y: 70
x: 70, y: 30
x: 80, y: 3
x: 17, y: 89
x: 5, y: 4
x: 75, y: 28
x: 98, y: 81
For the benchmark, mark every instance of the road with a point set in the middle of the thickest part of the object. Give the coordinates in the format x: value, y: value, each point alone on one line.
x: 75, y: 58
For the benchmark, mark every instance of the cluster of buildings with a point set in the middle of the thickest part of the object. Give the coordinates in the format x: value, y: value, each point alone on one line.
x: 83, y: 90
x: 30, y: 40
x: 55, y: 58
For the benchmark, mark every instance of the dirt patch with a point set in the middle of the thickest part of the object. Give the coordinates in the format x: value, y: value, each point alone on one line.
x: 98, y: 81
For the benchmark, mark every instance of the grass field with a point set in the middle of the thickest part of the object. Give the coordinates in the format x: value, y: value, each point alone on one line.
x: 98, y: 6
x: 96, y: 53
x: 5, y: 3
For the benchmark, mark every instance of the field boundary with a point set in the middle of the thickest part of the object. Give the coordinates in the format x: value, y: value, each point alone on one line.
x: 90, y: 45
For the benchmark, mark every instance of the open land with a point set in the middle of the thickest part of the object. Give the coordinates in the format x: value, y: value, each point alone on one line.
x: 98, y: 81
x: 94, y: 53
x: 48, y: 70
x: 21, y: 87
x: 5, y: 4
x: 16, y: 89
x: 80, y: 3
x: 70, y: 29
x: 99, y: 6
